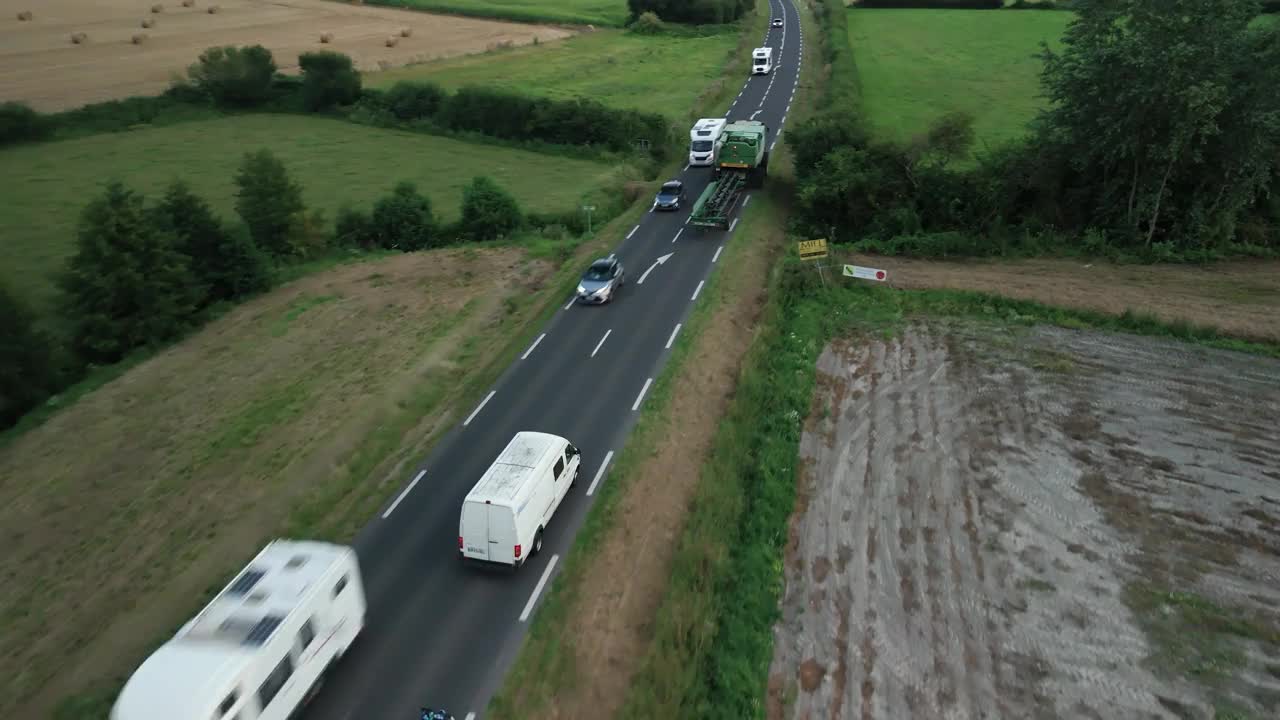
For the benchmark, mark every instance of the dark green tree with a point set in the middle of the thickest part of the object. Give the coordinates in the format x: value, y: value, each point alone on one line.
x: 227, y: 263
x: 269, y: 202
x: 403, y: 220
x: 488, y: 211
x: 128, y: 285
x: 235, y: 76
x: 1168, y: 113
x: 328, y: 78
x: 27, y: 375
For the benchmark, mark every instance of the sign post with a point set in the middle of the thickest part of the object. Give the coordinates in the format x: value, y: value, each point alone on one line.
x: 814, y: 250
x: 588, y: 208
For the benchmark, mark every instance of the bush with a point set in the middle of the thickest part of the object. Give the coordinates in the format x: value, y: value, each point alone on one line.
x: 488, y: 211
x: 19, y: 123
x: 268, y: 201
x: 128, y: 285
x: 414, y: 100
x: 228, y: 264
x: 648, y: 23
x: 708, y: 12
x: 353, y: 228
x: 403, y: 220
x: 328, y: 79
x: 932, y: 4
x: 26, y: 368
x: 235, y: 76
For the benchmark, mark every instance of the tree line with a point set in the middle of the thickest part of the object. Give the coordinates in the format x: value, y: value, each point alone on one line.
x: 144, y: 274
x: 1161, y: 139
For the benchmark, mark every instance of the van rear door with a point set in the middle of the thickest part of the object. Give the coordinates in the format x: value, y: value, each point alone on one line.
x: 502, y: 536
x: 475, y: 530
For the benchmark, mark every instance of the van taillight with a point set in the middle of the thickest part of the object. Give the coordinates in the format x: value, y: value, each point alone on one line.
x: 459, y: 542
x: 517, y: 551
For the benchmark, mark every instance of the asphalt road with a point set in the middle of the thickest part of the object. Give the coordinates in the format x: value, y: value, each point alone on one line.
x: 442, y: 634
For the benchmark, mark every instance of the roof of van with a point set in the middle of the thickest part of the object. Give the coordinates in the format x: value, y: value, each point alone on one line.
x: 507, y: 476
x: 192, y: 672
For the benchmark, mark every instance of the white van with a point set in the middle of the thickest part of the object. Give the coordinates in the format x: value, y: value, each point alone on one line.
x: 761, y: 61
x: 261, y: 648
x: 703, y: 138
x: 505, y: 513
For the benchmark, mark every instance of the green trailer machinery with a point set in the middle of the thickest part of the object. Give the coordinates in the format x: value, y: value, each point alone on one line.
x: 741, y: 162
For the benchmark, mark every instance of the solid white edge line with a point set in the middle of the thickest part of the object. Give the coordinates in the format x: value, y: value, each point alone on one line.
x: 403, y: 493
x: 716, y: 257
x: 697, y: 290
x: 479, y: 407
x: 677, y: 237
x: 606, y: 337
x: 537, y: 590
x: 746, y: 200
x: 599, y: 473
x: 636, y: 405
x: 673, y: 335
x: 525, y: 356
x: 633, y: 232
x: 733, y: 224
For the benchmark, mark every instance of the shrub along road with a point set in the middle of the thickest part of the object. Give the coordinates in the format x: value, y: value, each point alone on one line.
x: 443, y: 635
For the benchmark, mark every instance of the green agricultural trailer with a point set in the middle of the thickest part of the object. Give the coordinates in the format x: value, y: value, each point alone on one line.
x: 741, y: 162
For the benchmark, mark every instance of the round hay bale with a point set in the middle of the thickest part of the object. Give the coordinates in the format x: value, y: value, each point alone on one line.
x: 24, y: 16
x: 157, y: 8
x: 326, y: 37
x: 213, y: 9
x: 79, y: 38
x: 392, y: 41
x: 406, y: 32
x: 139, y: 38
x: 188, y: 3
x: 148, y: 22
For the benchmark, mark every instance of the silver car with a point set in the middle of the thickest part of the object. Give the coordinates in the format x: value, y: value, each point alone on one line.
x: 601, y: 282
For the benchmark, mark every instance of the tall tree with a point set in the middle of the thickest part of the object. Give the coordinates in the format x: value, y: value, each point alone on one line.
x: 1168, y: 111
x: 268, y: 201
x: 228, y: 264
x: 27, y: 374
x: 403, y: 220
x: 127, y: 285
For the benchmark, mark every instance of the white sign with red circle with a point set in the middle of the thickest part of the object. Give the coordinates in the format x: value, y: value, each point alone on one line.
x: 865, y: 273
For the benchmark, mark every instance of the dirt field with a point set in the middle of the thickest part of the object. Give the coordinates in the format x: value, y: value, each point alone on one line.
x: 1034, y: 524
x: 119, y: 512
x: 40, y: 65
x: 1239, y: 298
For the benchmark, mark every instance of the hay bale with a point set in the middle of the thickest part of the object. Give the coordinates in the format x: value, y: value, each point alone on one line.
x: 392, y: 41
x: 157, y: 8
x: 213, y: 9
x: 149, y: 22
x: 326, y: 37
x: 188, y: 3
x: 24, y: 16
x: 139, y: 38
x: 406, y: 32
x: 79, y: 38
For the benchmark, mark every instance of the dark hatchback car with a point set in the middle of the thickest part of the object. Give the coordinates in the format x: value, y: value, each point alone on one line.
x: 670, y: 196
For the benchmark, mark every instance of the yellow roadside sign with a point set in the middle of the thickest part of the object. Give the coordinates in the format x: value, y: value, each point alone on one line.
x: 813, y: 249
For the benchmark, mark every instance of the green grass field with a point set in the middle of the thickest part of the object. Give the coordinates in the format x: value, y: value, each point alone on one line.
x: 657, y: 73
x: 915, y: 65
x: 335, y: 161
x: 577, y: 12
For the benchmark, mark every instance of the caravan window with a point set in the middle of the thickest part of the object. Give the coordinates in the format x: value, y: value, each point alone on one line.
x: 337, y: 589
x: 559, y: 467
x: 276, y: 680
x: 306, y: 635
x: 229, y: 703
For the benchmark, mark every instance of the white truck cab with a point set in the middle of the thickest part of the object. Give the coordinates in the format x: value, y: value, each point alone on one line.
x: 703, y: 139
x: 506, y: 512
x: 761, y: 61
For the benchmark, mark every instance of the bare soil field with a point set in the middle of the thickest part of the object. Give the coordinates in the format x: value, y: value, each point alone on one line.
x: 40, y: 65
x: 119, y: 512
x: 1034, y: 523
x: 1238, y: 298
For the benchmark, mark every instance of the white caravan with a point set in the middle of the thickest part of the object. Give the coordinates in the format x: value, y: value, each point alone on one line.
x: 761, y: 61
x: 703, y: 139
x: 504, y: 515
x: 261, y: 647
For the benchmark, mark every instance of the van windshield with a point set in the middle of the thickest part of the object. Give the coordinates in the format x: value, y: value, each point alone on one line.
x: 700, y: 145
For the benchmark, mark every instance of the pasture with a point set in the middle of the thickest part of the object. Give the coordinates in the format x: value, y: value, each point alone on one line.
x: 40, y: 65
x: 659, y: 73
x: 575, y: 12
x: 336, y: 162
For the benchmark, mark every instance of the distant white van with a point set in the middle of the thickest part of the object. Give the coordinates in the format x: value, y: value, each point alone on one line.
x: 761, y: 61
x: 504, y: 515
x: 262, y: 647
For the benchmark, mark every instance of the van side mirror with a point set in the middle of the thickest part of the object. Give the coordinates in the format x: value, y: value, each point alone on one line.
x: 573, y: 450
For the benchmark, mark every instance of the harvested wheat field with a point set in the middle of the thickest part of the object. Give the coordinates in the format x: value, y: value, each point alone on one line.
x: 287, y: 416
x: 1034, y: 523
x: 40, y: 65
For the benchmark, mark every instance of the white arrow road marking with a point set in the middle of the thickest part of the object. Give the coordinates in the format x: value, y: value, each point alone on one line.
x: 528, y: 607
x: 606, y: 337
x: 754, y: 114
x: 655, y: 264
x: 600, y: 473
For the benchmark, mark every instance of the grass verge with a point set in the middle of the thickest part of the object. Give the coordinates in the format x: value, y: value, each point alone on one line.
x: 609, y: 13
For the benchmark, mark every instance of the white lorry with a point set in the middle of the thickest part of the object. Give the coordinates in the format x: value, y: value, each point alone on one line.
x: 504, y: 515
x: 703, y: 139
x: 762, y: 61
x: 260, y: 649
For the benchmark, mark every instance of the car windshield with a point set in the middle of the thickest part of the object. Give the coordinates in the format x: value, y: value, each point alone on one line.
x: 670, y: 189
x: 701, y: 145
x: 597, y: 272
